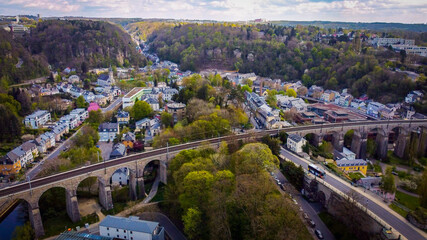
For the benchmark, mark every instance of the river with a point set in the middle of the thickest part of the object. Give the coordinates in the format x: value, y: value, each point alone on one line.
x: 17, y: 217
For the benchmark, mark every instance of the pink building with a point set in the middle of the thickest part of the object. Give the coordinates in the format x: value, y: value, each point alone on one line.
x: 93, y: 107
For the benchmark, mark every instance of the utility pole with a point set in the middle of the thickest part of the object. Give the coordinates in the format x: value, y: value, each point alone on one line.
x: 167, y: 151
x: 29, y: 182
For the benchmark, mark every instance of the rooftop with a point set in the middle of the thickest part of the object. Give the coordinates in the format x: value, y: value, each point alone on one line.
x: 130, y: 224
x: 133, y: 92
x: 295, y: 137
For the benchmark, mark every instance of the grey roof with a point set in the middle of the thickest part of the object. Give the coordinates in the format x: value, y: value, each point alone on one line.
x: 345, y: 162
x: 295, y: 137
x: 109, y: 126
x: 37, y: 114
x: 151, y: 100
x: 103, y: 77
x: 80, y: 236
x: 130, y: 224
x: 119, y: 150
x: 28, y: 145
x: 122, y: 114
x: 144, y: 120
x: 130, y: 136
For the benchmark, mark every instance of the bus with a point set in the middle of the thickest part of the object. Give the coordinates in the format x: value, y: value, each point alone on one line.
x: 316, y: 171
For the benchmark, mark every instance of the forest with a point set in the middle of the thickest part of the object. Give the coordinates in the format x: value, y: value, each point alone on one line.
x: 288, y: 53
x: 228, y: 194
x: 76, y: 44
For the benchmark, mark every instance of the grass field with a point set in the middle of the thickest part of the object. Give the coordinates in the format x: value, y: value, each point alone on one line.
x: 355, y: 175
x: 406, y: 200
x: 399, y: 210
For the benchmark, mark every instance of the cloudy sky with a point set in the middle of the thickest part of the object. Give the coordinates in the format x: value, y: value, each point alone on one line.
x: 406, y: 11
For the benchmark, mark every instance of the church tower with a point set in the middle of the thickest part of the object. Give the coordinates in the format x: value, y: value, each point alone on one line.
x: 111, y: 75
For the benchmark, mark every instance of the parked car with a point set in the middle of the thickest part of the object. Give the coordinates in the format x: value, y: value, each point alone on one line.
x: 318, y: 234
x: 282, y: 187
x: 312, y: 223
x: 305, y: 216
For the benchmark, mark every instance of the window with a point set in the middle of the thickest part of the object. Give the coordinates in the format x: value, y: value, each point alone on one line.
x: 130, y: 232
x: 108, y: 234
x: 108, y: 228
x: 117, y: 235
x: 124, y: 231
x: 117, y: 230
x: 131, y: 238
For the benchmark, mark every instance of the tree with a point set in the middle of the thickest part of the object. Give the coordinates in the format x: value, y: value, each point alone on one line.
x: 348, y: 137
x: 402, y: 56
x: 272, y: 143
x: 193, y: 223
x: 245, y: 88
x: 388, y: 184
x: 371, y: 147
x: 95, y: 118
x: 166, y: 119
x: 24, y: 232
x: 11, y: 125
x: 80, y: 102
x: 422, y: 190
x: 291, y: 93
x: 141, y: 109
x: 84, y: 67
x: 302, y: 91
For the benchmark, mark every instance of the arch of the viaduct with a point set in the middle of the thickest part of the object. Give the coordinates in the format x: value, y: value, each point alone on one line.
x: 136, y: 177
x: 136, y: 184
x: 360, y: 136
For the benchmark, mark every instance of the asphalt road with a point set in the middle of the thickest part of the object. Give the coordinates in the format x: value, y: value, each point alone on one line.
x: 114, y: 104
x: 386, y: 214
x: 398, y: 223
x: 307, y: 208
x: 32, y: 173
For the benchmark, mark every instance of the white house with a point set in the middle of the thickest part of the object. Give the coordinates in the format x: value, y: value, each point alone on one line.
x: 130, y: 228
x: 108, y: 131
x: 37, y: 119
x: 120, y: 177
x: 106, y: 80
x: 80, y: 113
x: 295, y: 143
x: 153, y: 102
x: 73, y: 79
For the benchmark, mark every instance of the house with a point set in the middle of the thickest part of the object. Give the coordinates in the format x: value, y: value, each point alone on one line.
x: 60, y: 130
x: 73, y: 79
x: 153, y: 102
x: 136, y: 93
x: 168, y: 93
x: 357, y: 104
x: 120, y: 177
x: 106, y: 80
x: 328, y: 96
x: 413, y: 96
x: 128, y: 139
x: 315, y: 92
x: 118, y: 151
x: 177, y: 110
x: 374, y: 109
x: 108, y: 131
x: 333, y: 116
x: 347, y: 162
x: 72, y: 121
x: 142, y: 124
x: 37, y: 119
x: 123, y: 117
x: 254, y: 101
x: 80, y: 113
x: 386, y: 113
x: 49, y: 138
x: 89, y: 96
x: 16, y: 159
x: 30, y: 146
x: 345, y: 99
x: 153, y: 130
x: 130, y: 228
x: 41, y: 144
x: 295, y: 143
x: 287, y: 103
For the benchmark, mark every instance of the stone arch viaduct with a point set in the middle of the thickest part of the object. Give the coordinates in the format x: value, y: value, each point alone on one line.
x: 32, y: 191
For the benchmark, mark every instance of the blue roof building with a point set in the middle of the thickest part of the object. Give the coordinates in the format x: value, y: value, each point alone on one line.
x: 131, y: 228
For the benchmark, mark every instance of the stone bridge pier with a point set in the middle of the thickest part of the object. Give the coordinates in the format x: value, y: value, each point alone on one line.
x: 72, y: 205
x: 401, y: 143
x: 359, y: 143
x: 338, y: 141
x: 382, y: 144
x: 36, y: 219
x: 136, y: 184
x: 105, y: 198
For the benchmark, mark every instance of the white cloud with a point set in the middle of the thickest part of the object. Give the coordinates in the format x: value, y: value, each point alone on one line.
x: 408, y: 11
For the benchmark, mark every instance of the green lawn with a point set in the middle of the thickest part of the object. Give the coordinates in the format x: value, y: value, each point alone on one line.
x: 338, y: 229
x: 355, y: 175
x: 393, y: 159
x: 55, y: 226
x: 406, y: 200
x: 399, y: 210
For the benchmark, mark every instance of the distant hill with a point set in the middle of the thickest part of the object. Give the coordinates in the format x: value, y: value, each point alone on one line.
x: 70, y: 43
x: 66, y: 44
x: 12, y: 53
x: 379, y: 26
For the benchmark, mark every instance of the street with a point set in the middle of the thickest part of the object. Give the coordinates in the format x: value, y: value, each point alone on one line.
x: 308, y: 208
x: 113, y: 105
x: 373, y: 204
x: 55, y: 153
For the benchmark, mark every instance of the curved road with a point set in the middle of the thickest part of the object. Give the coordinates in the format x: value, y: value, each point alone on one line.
x: 394, y: 221
x: 384, y: 213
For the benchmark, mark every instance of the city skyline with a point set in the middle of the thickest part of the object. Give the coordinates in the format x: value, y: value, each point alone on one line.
x: 412, y: 11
